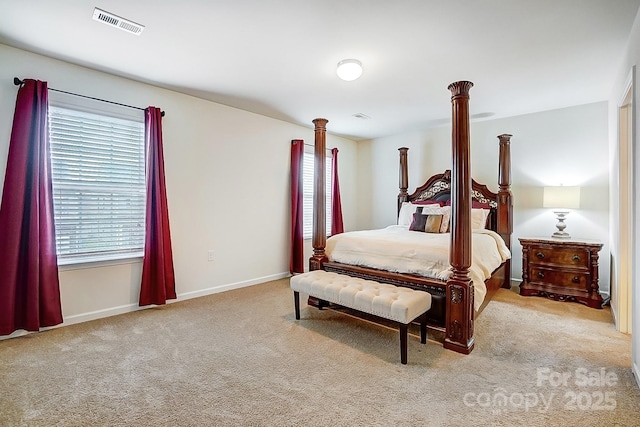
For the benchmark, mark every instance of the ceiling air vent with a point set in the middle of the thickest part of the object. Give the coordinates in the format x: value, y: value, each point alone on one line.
x: 117, y: 22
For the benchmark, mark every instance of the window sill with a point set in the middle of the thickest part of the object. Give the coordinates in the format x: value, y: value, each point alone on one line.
x: 68, y: 265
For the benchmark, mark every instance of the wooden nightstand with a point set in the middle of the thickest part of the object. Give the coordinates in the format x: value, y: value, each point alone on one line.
x: 561, y: 269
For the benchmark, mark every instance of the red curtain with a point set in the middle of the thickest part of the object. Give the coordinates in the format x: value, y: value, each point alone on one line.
x: 296, y: 262
x: 29, y: 286
x: 158, y: 280
x: 336, y: 206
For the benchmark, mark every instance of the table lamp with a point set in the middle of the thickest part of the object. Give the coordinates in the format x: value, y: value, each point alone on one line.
x: 561, y: 199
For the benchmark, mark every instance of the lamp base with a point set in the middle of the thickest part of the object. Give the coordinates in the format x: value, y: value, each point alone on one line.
x: 561, y: 216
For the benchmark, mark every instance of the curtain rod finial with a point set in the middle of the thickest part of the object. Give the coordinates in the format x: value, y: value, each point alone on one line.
x: 17, y: 81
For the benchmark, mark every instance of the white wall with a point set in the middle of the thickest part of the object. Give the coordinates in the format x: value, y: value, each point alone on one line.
x: 227, y: 174
x: 567, y: 146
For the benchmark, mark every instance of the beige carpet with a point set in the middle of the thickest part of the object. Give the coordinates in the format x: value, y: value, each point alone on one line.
x: 240, y: 358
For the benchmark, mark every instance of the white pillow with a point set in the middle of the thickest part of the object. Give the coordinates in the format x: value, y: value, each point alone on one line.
x: 408, y: 209
x: 445, y: 211
x: 479, y: 218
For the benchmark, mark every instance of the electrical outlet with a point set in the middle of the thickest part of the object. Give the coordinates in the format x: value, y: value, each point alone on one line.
x: 210, y: 255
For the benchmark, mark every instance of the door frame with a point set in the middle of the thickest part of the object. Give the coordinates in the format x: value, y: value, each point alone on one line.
x: 623, y: 225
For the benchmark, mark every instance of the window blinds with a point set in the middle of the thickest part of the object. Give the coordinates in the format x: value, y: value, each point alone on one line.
x: 308, y: 168
x: 98, y: 173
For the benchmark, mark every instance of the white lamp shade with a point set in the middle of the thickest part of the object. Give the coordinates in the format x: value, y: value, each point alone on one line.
x: 349, y: 69
x: 561, y: 197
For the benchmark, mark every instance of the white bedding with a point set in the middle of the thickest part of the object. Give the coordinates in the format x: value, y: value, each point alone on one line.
x: 400, y: 250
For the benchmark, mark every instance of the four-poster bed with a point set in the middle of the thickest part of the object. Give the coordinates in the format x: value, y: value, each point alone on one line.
x: 451, y: 318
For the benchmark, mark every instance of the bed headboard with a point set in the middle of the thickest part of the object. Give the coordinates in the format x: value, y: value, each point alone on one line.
x: 438, y: 187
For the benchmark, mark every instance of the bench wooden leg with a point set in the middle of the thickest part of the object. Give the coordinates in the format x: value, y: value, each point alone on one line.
x: 296, y: 302
x: 403, y: 343
x: 423, y: 328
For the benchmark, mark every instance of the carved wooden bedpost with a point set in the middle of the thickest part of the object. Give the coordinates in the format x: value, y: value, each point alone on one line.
x: 319, y: 196
x: 404, y: 177
x: 459, y: 303
x: 505, y: 200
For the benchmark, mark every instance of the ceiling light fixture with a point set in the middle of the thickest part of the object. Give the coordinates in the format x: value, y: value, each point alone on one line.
x: 349, y: 69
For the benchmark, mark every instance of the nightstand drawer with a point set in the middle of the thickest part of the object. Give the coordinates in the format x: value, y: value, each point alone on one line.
x: 569, y: 257
x: 559, y: 278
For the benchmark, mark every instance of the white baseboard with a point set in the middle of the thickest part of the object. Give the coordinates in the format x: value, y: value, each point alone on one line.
x: 99, y: 314
x: 229, y: 287
x: 128, y: 308
x: 82, y: 317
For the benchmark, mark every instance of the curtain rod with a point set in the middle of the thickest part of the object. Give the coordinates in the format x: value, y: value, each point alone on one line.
x: 18, y: 82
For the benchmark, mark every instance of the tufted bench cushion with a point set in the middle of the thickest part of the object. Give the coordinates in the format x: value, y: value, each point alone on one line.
x: 380, y: 299
x: 402, y: 305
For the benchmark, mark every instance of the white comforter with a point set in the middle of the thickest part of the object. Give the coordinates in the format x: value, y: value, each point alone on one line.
x: 400, y: 250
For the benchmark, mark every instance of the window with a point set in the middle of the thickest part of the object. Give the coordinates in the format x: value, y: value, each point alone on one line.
x: 308, y: 167
x: 98, y: 174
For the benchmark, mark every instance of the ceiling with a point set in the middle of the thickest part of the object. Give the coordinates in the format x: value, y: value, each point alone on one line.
x: 278, y: 57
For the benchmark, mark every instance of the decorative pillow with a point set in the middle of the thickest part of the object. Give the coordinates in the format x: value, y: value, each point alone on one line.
x: 445, y: 211
x: 407, y: 210
x: 426, y: 223
x: 433, y: 223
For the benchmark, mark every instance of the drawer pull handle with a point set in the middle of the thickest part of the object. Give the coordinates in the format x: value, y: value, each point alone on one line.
x: 540, y: 255
x: 575, y: 279
x: 576, y: 258
x: 540, y: 274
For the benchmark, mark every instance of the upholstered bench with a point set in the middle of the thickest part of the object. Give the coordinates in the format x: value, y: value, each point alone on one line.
x: 402, y: 305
